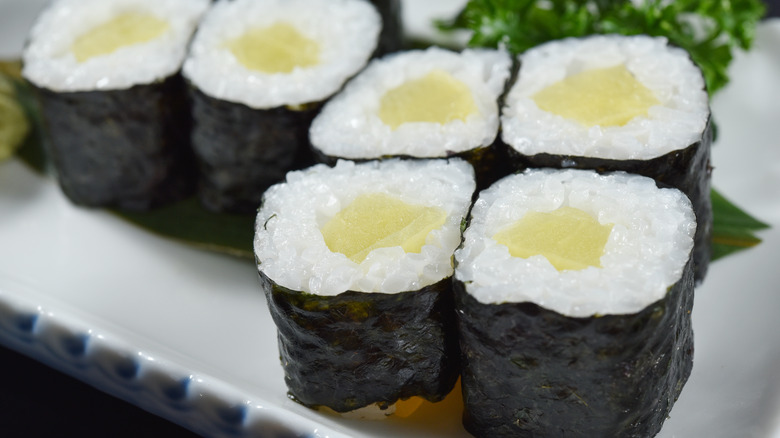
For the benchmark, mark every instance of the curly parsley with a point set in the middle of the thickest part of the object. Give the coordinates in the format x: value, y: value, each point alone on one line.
x: 708, y: 30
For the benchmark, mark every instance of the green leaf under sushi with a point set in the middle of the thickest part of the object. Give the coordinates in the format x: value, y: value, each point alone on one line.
x: 188, y: 222
x: 733, y: 229
x: 708, y: 30
x: 26, y: 135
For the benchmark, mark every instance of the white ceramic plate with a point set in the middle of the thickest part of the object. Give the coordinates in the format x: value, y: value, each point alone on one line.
x: 186, y: 334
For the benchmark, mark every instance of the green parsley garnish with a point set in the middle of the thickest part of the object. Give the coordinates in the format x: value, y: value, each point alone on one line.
x: 708, y: 30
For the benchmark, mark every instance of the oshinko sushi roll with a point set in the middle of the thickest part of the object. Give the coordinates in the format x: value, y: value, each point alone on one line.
x: 609, y: 102
x: 259, y: 71
x: 356, y: 264
x: 113, y: 102
x: 574, y: 293
x: 430, y: 103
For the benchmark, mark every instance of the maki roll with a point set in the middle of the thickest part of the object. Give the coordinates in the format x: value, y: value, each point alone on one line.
x: 113, y: 102
x: 610, y: 102
x: 574, y: 293
x: 259, y: 70
x: 431, y: 103
x: 356, y: 264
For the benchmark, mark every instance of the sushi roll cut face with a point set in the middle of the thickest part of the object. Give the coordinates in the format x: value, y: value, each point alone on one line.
x: 385, y: 227
x: 90, y: 45
x: 576, y: 242
x: 606, y: 96
x: 272, y: 53
x: 430, y: 103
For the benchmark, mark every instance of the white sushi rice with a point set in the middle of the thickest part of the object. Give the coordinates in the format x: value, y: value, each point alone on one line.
x: 668, y: 72
x: 645, y: 254
x: 349, y: 125
x: 346, y: 30
x: 49, y: 62
x: 291, y: 250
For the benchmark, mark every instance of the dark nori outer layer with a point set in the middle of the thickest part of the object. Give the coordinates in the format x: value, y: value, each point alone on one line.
x: 241, y: 151
x: 532, y: 372
x: 121, y: 148
x: 391, y: 36
x: 355, y: 349
x: 489, y: 162
x: 688, y: 170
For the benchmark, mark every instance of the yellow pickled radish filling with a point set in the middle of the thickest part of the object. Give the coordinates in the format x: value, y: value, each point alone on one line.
x: 123, y: 30
x: 400, y: 409
x: 405, y: 408
x: 571, y: 239
x: 279, y: 48
x: 604, y: 97
x: 436, y: 98
x: 377, y: 220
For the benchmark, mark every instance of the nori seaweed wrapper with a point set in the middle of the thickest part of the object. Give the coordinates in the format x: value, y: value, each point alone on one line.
x: 241, y: 151
x: 489, y: 162
x: 532, y: 372
x: 687, y: 169
x: 391, y: 37
x: 125, y: 148
x: 356, y: 348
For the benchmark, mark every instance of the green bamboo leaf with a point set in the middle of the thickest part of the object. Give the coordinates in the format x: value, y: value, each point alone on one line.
x: 31, y: 151
x: 188, y: 222
x: 729, y: 215
x: 732, y: 228
x: 14, y: 123
x: 11, y: 68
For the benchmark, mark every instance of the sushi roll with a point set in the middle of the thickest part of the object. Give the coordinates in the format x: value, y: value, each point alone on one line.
x: 258, y: 72
x: 431, y: 103
x: 610, y: 102
x: 356, y: 264
x: 113, y: 102
x: 574, y: 293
